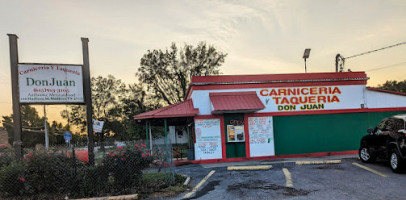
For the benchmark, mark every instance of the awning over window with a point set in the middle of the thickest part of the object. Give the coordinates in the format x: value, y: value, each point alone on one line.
x: 182, y: 109
x: 235, y: 102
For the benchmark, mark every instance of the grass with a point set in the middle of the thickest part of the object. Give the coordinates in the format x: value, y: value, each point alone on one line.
x: 161, y: 184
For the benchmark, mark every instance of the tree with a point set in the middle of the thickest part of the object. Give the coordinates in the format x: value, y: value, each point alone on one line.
x: 29, y: 120
x: 167, y: 73
x: 32, y: 128
x: 137, y: 101
x: 106, y: 95
x: 394, y: 86
x: 110, y: 97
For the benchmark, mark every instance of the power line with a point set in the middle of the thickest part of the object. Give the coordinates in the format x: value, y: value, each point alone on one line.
x: 387, y: 66
x: 368, y: 52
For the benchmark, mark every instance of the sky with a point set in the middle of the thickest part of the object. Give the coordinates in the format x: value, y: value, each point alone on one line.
x: 259, y: 36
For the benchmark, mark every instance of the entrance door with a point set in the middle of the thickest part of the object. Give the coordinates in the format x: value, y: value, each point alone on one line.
x: 235, y: 138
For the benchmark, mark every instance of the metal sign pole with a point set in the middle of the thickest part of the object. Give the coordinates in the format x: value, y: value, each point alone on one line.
x: 88, y: 99
x: 15, y: 93
x: 46, y: 130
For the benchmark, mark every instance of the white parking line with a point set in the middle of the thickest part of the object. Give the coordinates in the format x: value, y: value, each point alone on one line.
x: 199, y: 185
x: 371, y: 170
x: 288, y: 177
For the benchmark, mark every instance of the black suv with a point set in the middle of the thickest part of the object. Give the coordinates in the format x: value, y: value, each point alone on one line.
x: 387, y: 141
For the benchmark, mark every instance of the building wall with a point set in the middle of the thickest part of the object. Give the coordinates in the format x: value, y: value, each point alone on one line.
x: 349, y: 97
x: 337, y: 126
x: 323, y: 133
x: 376, y: 99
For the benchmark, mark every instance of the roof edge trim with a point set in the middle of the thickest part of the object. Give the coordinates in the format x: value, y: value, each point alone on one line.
x: 281, y: 81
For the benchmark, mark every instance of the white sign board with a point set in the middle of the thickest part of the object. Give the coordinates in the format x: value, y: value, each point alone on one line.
x: 42, y: 83
x: 302, y: 99
x: 261, y: 136
x: 312, y: 98
x: 208, y: 139
x: 98, y: 126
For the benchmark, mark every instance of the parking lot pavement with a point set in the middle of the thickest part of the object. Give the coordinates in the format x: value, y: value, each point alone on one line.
x: 349, y: 179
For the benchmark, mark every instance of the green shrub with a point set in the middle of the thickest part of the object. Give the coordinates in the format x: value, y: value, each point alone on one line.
x: 155, y: 181
x: 46, y: 175
x: 125, y: 164
x: 12, y: 180
x: 152, y: 182
x: 49, y: 173
x: 92, y: 180
x: 6, y: 159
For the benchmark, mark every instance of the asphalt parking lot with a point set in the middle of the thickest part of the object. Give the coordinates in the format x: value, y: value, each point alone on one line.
x: 344, y: 177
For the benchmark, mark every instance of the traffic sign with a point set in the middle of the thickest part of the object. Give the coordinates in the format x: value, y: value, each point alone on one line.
x: 98, y: 126
x: 68, y: 136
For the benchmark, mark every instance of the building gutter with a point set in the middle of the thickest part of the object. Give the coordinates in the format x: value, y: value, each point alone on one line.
x: 282, y: 81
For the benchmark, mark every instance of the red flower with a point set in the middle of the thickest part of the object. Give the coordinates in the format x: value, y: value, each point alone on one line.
x: 143, y: 145
x: 136, y: 145
x: 110, y: 154
x: 120, y: 147
x: 114, y: 154
x: 22, y: 179
x: 143, y: 155
x: 28, y: 155
x: 122, y: 154
x: 148, y: 154
x: 2, y: 146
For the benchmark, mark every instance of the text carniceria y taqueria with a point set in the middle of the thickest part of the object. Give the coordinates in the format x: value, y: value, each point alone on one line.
x: 314, y: 97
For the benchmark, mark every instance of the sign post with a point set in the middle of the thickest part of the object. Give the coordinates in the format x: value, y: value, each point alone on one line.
x: 36, y: 83
x: 88, y: 99
x: 16, y: 100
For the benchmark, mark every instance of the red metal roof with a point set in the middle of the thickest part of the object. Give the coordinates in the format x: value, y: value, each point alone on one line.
x: 386, y: 91
x: 231, y: 102
x: 242, y: 79
x: 182, y: 109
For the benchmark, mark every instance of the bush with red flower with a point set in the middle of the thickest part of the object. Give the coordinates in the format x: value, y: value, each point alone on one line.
x: 125, y: 164
x: 12, y: 180
x: 53, y: 173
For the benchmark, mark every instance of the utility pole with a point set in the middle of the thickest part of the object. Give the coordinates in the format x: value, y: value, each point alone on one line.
x: 46, y: 130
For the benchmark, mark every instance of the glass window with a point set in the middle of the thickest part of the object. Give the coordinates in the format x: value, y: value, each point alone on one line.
x: 235, y: 133
x: 390, y: 125
x: 399, y: 124
x: 381, y: 125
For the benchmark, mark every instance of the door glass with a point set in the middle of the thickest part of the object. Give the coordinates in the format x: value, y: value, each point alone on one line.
x: 390, y: 124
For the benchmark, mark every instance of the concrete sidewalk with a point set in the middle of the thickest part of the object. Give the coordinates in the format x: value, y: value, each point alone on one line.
x: 276, y: 161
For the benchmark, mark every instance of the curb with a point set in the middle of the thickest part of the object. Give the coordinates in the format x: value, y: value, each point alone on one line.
x: 318, y: 162
x: 121, y: 197
x: 257, y: 167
